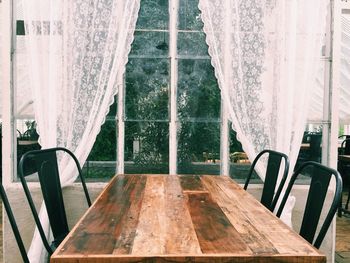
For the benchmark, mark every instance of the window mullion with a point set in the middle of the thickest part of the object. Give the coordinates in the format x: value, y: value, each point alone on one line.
x: 7, y: 100
x: 173, y: 14
x: 224, y: 131
x: 120, y: 128
x: 224, y: 141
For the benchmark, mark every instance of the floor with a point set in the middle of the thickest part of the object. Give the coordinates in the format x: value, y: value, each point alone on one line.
x: 342, y: 244
x: 342, y: 238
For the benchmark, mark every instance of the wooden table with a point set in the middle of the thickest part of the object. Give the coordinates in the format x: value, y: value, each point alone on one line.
x: 168, y: 218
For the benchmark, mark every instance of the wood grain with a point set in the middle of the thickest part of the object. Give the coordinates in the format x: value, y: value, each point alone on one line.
x: 180, y: 232
x: 230, y: 203
x: 191, y: 183
x: 160, y: 218
x: 265, y: 232
x: 214, y: 231
x: 110, y: 226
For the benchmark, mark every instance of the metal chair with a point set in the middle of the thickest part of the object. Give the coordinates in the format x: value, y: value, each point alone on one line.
x: 45, y: 162
x: 314, y: 151
x: 345, y: 147
x: 13, y: 224
x: 269, y: 197
x: 320, y: 178
x: 344, y: 169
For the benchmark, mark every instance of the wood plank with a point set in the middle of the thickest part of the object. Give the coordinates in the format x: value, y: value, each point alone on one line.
x: 117, y: 212
x: 164, y: 221
x: 126, y: 227
x: 191, y: 183
x: 214, y: 230
x: 151, y: 228
x: 248, y: 231
x: 269, y: 232
x: 206, y: 258
x: 181, y: 237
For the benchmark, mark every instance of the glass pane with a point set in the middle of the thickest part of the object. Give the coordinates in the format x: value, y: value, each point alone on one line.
x: 150, y: 44
x: 146, y: 147
x: 189, y: 15
x: 198, y: 91
x: 198, y: 148
x: 113, y: 108
x: 27, y: 138
x: 192, y: 44
x: 101, y: 162
x: 239, y: 162
x: 24, y: 100
x: 311, y: 146
x: 153, y: 14
x: 147, y: 89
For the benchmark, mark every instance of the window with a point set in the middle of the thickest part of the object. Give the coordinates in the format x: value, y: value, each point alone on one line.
x: 25, y: 134
x: 167, y: 116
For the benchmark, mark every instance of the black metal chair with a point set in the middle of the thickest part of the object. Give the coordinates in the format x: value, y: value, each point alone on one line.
x: 345, y: 147
x: 320, y: 177
x: 269, y: 198
x: 13, y: 224
x: 45, y: 162
x: 314, y: 151
x: 344, y: 169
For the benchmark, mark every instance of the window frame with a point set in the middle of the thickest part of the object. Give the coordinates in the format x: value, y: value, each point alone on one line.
x: 173, y: 119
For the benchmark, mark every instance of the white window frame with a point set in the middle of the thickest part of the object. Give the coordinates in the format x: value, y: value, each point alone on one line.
x: 173, y: 121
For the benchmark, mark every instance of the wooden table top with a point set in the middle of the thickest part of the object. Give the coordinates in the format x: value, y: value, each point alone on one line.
x: 169, y: 218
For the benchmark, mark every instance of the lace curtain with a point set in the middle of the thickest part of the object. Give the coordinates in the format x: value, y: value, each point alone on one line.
x: 266, y: 54
x: 77, y: 49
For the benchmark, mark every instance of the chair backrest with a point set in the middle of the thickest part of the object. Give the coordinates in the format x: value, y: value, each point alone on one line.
x: 13, y: 224
x: 320, y: 178
x: 345, y: 147
x: 46, y: 165
x: 270, y: 195
x: 315, y: 147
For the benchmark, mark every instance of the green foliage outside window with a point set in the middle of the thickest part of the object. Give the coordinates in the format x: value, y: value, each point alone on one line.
x: 105, y: 145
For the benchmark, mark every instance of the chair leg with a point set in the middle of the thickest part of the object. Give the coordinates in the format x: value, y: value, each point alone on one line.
x: 347, y: 201
x: 340, y: 208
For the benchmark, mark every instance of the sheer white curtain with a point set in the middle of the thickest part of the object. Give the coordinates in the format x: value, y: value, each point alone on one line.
x: 344, y: 96
x: 266, y: 54
x: 76, y: 49
x: 316, y: 110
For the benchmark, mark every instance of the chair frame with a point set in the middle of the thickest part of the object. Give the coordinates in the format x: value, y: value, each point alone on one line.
x: 269, y: 198
x: 54, y: 180
x: 344, y: 147
x: 323, y: 175
x: 13, y: 224
x: 342, y: 167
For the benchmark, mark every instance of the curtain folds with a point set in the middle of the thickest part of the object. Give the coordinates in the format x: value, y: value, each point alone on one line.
x: 77, y: 49
x: 266, y: 54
